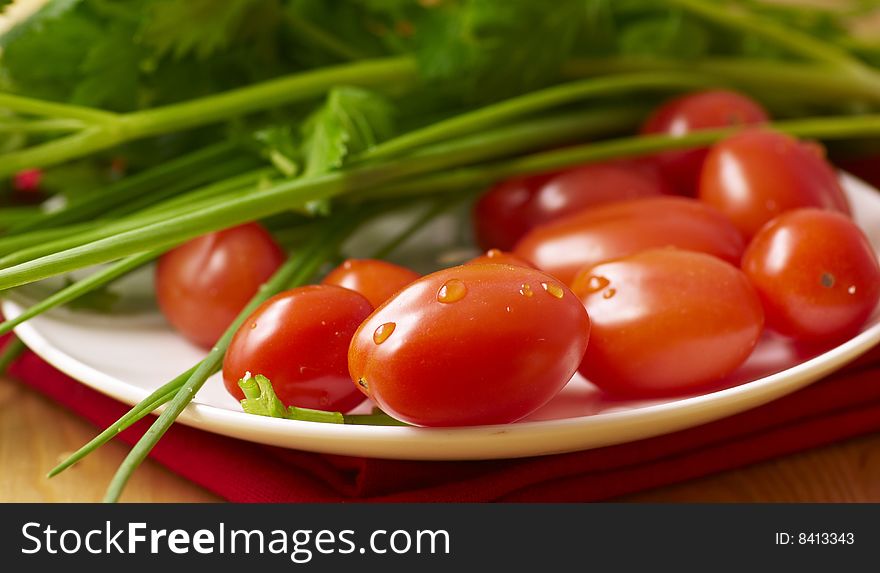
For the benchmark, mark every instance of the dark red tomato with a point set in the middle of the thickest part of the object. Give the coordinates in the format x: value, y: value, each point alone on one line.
x: 666, y: 322
x: 494, y: 256
x: 470, y: 345
x: 202, y: 285
x: 563, y: 247
x: 755, y: 175
x: 816, y: 274
x: 537, y: 201
x: 376, y: 280
x: 299, y: 340
x: 692, y: 112
x: 500, y: 216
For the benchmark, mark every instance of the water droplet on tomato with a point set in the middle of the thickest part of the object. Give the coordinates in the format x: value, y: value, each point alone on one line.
x: 596, y: 283
x: 452, y: 290
x: 851, y: 289
x: 526, y: 290
x: 494, y: 253
x: 382, y: 333
x: 253, y: 325
x: 553, y: 289
x: 609, y: 293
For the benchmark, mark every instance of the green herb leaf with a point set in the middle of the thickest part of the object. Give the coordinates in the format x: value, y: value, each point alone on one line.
x: 199, y: 27
x: 350, y: 120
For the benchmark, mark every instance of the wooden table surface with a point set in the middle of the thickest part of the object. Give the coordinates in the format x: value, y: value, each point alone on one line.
x: 35, y: 433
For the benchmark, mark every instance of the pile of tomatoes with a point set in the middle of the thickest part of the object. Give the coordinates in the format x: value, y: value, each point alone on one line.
x: 653, y: 277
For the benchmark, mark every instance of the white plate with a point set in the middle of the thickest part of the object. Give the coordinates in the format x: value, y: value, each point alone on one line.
x: 127, y: 357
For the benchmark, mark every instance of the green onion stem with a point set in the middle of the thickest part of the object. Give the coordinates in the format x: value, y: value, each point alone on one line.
x: 143, y: 408
x: 13, y: 349
x: 548, y: 98
x: 116, y: 129
x: 211, y: 215
x: 119, y: 192
x: 81, y: 287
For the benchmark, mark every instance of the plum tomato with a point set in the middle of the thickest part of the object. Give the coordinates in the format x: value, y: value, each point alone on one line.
x: 299, y: 340
x: 666, y: 322
x: 497, y: 257
x: 563, y: 247
x: 202, y: 285
x: 501, y: 214
x: 691, y: 112
x: 377, y: 280
x: 470, y: 345
x: 816, y: 273
x: 757, y: 174
x: 536, y: 201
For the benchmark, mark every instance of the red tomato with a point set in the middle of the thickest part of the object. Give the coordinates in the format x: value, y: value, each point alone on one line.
x: 500, y: 216
x: 692, y: 112
x: 666, y: 322
x: 376, y: 280
x: 535, y: 201
x: 816, y: 274
x: 202, y: 285
x: 299, y: 340
x: 470, y: 345
x: 563, y: 247
x: 494, y: 256
x: 755, y: 175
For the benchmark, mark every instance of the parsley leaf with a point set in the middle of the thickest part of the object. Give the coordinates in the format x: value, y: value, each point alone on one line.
x: 350, y: 120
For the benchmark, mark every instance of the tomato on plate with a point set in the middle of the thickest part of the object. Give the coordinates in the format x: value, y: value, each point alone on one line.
x: 299, y: 340
x: 563, y: 247
x: 498, y: 257
x: 500, y: 216
x: 377, y: 280
x: 816, y: 273
x: 470, y: 345
x: 202, y: 285
x: 692, y: 112
x: 666, y: 322
x: 511, y: 209
x: 757, y: 174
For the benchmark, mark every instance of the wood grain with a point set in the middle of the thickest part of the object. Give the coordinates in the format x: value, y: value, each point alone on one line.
x: 35, y: 433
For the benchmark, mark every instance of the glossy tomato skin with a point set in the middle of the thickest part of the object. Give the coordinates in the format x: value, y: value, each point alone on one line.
x: 377, y: 280
x: 666, y: 322
x: 816, y: 273
x: 498, y: 257
x: 299, y: 340
x: 470, y: 345
x: 202, y: 285
x: 757, y: 174
x: 563, y: 247
x: 511, y: 209
x: 692, y: 112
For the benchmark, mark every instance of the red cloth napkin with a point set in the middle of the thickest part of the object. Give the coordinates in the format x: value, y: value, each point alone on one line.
x: 844, y: 405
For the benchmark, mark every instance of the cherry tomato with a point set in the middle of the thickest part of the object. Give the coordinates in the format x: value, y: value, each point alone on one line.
x: 470, y: 345
x: 563, y: 247
x: 202, y: 285
x: 532, y: 202
x: 494, y: 256
x: 666, y: 321
x: 757, y: 174
x: 700, y: 110
x: 816, y: 273
x: 299, y: 340
x: 500, y: 216
x: 376, y: 280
